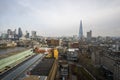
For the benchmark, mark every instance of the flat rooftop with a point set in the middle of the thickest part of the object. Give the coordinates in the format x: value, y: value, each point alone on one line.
x: 35, y: 78
x: 72, y: 49
x: 43, y: 68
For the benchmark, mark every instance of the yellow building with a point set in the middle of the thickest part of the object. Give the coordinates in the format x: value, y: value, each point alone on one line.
x: 55, y: 53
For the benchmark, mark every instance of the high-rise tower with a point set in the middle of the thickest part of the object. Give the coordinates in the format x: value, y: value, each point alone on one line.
x: 80, y: 31
x: 34, y: 34
x: 20, y: 33
x: 89, y: 36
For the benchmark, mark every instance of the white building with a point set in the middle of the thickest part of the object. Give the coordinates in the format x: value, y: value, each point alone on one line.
x: 72, y: 54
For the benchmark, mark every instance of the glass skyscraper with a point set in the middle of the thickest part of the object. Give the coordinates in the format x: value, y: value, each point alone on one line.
x: 20, y: 33
x: 80, y: 31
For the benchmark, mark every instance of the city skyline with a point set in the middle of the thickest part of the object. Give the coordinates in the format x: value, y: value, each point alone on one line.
x: 61, y: 18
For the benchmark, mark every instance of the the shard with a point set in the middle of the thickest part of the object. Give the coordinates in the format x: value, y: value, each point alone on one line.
x: 80, y: 31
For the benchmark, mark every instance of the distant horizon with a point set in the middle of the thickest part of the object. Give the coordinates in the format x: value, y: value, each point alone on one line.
x: 55, y: 36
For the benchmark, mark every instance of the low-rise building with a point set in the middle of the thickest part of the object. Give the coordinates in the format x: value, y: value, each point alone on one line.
x: 53, y: 42
x: 72, y: 54
x: 109, y: 60
x: 63, y: 69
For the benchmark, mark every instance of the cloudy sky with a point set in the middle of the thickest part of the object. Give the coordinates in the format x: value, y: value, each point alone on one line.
x: 61, y: 17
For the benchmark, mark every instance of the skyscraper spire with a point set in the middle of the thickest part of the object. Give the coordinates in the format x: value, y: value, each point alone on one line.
x: 80, y: 31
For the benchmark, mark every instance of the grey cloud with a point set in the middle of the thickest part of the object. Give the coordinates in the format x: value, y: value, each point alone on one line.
x: 63, y: 15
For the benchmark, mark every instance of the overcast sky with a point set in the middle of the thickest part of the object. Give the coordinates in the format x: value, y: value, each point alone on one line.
x: 61, y: 17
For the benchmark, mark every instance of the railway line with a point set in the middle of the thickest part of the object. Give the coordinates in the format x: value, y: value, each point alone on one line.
x: 19, y: 70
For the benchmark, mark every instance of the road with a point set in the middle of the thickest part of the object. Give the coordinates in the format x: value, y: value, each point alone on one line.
x: 22, y: 68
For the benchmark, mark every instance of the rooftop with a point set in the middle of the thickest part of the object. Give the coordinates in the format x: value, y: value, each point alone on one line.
x: 43, y: 68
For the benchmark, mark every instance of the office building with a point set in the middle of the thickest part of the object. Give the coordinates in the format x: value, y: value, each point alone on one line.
x: 27, y: 35
x: 89, y: 35
x: 34, y: 34
x: 20, y: 33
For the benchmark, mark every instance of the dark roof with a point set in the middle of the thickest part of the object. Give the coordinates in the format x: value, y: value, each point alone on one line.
x: 43, y: 68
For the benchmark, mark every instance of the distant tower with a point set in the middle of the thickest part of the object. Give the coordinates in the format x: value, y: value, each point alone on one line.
x: 20, y: 33
x: 80, y: 31
x: 34, y: 34
x: 14, y: 32
x: 89, y: 36
x: 9, y: 32
x: 27, y: 34
x: 15, y: 35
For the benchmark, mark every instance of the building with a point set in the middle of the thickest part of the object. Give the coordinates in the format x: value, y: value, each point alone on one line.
x: 4, y: 36
x: 34, y: 34
x: 80, y: 31
x: 89, y: 36
x: 117, y: 70
x: 72, y: 54
x: 9, y: 32
x: 53, y: 42
x: 15, y: 35
x: 27, y: 35
x: 75, y: 37
x: 74, y: 45
x: 108, y: 60
x: 63, y: 69
x: 12, y: 34
x: 44, y: 70
x: 35, y: 78
x: 19, y: 33
x: 111, y: 62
